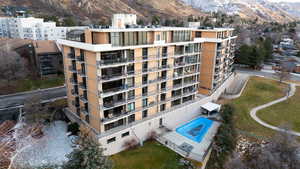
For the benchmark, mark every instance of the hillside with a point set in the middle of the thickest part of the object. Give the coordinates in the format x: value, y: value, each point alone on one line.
x: 103, y: 9
x: 263, y: 10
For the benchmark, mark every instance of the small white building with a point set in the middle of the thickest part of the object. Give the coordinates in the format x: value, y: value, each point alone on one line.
x: 193, y: 24
x: 120, y: 21
x: 33, y: 28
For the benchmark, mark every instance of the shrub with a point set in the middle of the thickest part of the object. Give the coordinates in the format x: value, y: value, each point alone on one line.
x: 130, y: 144
x: 152, y: 135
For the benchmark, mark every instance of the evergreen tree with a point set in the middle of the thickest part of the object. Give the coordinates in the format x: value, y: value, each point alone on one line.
x: 87, y: 155
x: 155, y: 20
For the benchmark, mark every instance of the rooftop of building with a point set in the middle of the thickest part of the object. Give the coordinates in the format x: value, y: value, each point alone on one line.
x: 137, y: 28
x: 44, y: 46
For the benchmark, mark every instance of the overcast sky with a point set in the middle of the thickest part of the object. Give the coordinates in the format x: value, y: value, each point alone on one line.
x: 285, y: 0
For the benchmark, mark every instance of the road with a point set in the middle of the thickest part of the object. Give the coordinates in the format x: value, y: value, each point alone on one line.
x: 15, y: 100
x: 266, y: 74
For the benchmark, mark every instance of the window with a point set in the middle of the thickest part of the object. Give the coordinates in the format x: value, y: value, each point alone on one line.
x: 111, y: 140
x: 163, y: 107
x: 131, y: 118
x: 145, y: 91
x: 130, y: 82
x: 145, y: 113
x: 131, y: 94
x: 116, y: 38
x: 145, y: 102
x: 145, y: 79
x: 142, y: 38
x: 158, y: 37
x: 164, y: 36
x: 145, y: 66
x: 163, y: 97
x: 125, y: 134
x: 145, y: 52
x: 131, y: 107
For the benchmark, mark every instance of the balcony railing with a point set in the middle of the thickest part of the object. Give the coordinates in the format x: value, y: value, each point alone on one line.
x: 80, y: 58
x: 72, y: 69
x: 84, y: 110
x: 73, y: 81
x: 83, y: 98
x: 115, y: 61
x: 71, y: 56
x: 74, y: 92
x: 82, y: 73
x: 114, y: 103
x: 82, y: 86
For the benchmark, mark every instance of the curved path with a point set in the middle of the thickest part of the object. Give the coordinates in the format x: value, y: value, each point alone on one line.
x: 254, y: 110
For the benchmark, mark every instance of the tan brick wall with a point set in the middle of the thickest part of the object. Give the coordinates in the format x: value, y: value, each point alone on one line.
x: 88, y: 36
x: 100, y: 37
x: 207, y: 65
x: 209, y: 34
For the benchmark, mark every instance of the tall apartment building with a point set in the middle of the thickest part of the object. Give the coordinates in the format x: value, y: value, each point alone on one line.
x: 33, y: 28
x: 119, y: 78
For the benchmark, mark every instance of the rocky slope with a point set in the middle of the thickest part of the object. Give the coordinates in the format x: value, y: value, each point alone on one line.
x: 249, y: 9
x: 103, y: 9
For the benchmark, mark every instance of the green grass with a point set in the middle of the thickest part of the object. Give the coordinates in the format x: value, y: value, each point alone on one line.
x: 151, y: 156
x: 30, y: 84
x: 258, y: 92
x: 284, y: 113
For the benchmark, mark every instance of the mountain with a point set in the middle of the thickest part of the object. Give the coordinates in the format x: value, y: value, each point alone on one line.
x: 293, y: 8
x: 263, y: 10
x: 103, y: 9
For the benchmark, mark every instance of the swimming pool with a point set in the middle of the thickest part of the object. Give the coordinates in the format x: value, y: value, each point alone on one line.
x: 196, y: 129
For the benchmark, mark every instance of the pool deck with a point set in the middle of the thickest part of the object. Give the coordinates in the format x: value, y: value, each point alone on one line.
x: 199, y: 151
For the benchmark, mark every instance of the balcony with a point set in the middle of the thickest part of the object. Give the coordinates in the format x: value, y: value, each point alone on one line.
x: 72, y: 69
x: 82, y: 73
x: 73, y: 81
x: 74, y: 92
x: 164, y: 55
x: 71, y: 56
x: 110, y: 103
x: 117, y: 89
x: 82, y: 86
x: 85, y: 110
x: 83, y: 98
x: 112, y: 76
x: 114, y: 113
x: 189, y: 90
x: 75, y: 103
x: 80, y: 58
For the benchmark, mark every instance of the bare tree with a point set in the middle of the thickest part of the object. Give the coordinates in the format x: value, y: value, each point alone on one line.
x: 282, y: 152
x: 12, y: 66
x: 35, y: 113
x: 283, y: 75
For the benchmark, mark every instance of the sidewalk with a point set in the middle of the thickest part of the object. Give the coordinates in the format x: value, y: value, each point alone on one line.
x: 254, y: 110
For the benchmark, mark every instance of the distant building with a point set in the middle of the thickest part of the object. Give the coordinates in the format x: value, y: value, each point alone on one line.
x: 48, y: 58
x: 287, y: 43
x: 44, y: 57
x: 193, y: 24
x: 121, y: 21
x: 33, y: 28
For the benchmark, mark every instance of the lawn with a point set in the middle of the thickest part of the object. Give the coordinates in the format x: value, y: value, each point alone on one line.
x: 258, y: 91
x: 284, y: 113
x: 151, y: 156
x: 30, y: 84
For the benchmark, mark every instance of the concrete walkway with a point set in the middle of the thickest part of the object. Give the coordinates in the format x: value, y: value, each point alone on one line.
x: 254, y: 110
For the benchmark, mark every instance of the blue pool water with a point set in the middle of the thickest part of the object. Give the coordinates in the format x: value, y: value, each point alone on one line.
x: 196, y: 129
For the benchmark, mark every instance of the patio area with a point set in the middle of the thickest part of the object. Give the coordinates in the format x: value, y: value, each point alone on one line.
x: 186, y: 146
